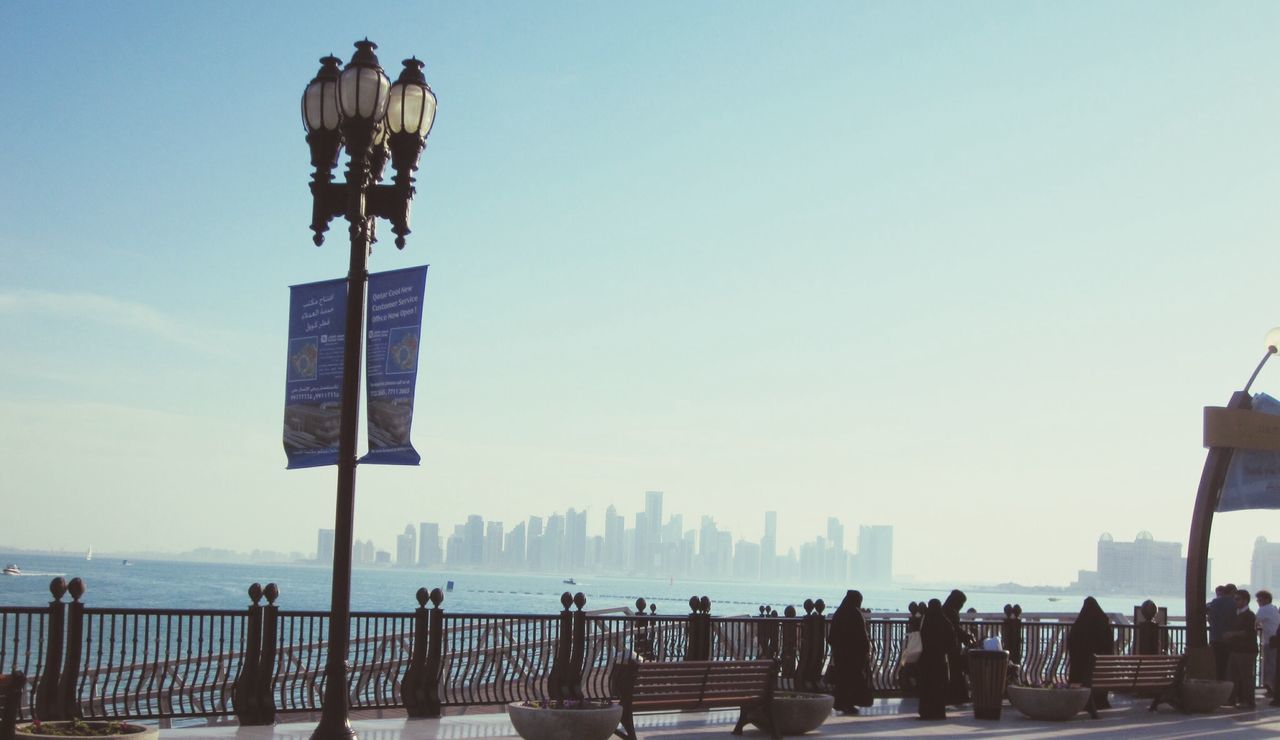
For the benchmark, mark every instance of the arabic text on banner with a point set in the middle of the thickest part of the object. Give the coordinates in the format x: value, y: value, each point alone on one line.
x: 394, y: 331
x: 313, y: 382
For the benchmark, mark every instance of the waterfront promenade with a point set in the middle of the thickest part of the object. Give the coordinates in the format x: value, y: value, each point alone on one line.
x: 888, y: 718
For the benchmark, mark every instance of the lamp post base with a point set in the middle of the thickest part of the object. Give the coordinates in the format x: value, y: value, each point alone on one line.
x: 333, y: 729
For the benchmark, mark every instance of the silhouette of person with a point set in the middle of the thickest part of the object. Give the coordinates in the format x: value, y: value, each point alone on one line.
x: 850, y: 655
x: 958, y: 686
x: 937, y: 644
x: 1089, y: 635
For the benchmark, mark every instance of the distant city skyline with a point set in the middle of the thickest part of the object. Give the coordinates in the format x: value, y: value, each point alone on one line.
x: 563, y: 543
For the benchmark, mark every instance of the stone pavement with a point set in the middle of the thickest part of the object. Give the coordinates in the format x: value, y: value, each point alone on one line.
x: 888, y: 718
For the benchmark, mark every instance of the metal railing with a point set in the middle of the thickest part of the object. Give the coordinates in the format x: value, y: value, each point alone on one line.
x: 255, y: 662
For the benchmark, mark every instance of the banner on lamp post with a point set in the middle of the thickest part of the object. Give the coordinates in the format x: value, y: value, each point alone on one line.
x: 1253, y: 476
x: 393, y: 326
x: 313, y: 381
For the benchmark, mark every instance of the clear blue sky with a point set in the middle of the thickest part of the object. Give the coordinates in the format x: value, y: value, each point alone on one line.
x: 956, y: 267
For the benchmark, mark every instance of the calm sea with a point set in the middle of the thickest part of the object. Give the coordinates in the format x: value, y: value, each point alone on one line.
x: 166, y: 584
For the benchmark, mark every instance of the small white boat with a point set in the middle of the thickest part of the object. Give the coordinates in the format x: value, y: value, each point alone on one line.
x: 570, y: 581
x: 89, y: 555
x: 12, y: 570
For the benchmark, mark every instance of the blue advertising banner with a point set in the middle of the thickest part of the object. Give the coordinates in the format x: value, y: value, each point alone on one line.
x: 1253, y: 477
x: 313, y: 382
x: 394, y: 329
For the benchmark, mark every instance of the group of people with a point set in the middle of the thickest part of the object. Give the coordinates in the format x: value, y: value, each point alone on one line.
x: 941, y: 676
x: 1233, y: 636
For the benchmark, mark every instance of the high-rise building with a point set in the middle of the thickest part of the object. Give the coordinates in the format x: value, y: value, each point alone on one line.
x: 407, y: 548
x: 429, y: 554
x: 1143, y: 565
x: 473, y: 540
x: 493, y: 544
x: 875, y: 554
x: 1264, y: 571
x: 615, y: 539
x: 533, y: 555
x: 575, y: 535
x: 769, y: 546
x: 514, y: 547
x: 324, y: 546
x: 653, y: 530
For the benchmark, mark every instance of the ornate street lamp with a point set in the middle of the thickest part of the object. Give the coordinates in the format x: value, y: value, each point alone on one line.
x: 1226, y: 429
x: 357, y: 108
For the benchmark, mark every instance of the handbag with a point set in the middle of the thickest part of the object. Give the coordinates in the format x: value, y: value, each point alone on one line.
x: 911, y: 651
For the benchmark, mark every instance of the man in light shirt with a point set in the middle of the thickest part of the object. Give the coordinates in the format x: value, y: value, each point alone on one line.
x: 1268, y: 622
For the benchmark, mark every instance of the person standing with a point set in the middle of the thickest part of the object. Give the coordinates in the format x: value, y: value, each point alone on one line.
x: 937, y: 644
x: 1090, y: 635
x: 1222, y: 612
x: 1268, y: 622
x: 850, y: 655
x: 958, y: 680
x: 1242, y: 639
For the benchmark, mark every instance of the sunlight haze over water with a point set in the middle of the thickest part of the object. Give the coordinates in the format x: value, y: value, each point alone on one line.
x: 971, y: 269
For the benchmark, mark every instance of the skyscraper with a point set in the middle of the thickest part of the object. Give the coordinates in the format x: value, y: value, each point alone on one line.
x: 615, y: 539
x: 406, y: 548
x: 429, y: 554
x: 875, y: 554
x: 324, y: 546
x: 473, y: 540
x: 769, y: 546
x: 493, y: 544
x: 653, y: 529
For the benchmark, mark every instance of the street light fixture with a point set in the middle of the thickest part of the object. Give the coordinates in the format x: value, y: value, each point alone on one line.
x: 1212, y: 479
x: 357, y: 108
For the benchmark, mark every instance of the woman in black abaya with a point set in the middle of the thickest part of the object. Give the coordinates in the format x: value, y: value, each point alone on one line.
x: 850, y: 656
x: 937, y: 642
x: 958, y: 687
x: 1089, y: 635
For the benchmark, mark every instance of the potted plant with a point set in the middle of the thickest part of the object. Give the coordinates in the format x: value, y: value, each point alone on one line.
x: 83, y: 728
x: 1053, y: 701
x: 1202, y: 696
x: 795, y: 713
x: 564, y: 719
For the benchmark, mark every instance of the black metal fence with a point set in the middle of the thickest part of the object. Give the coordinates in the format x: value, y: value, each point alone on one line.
x: 254, y: 662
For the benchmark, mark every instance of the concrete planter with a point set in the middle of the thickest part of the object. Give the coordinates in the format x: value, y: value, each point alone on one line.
x: 1202, y: 696
x: 1049, y: 704
x: 536, y: 723
x: 140, y: 732
x: 796, y: 713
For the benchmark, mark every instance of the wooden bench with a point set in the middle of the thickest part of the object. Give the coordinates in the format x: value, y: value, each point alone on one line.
x: 11, y: 687
x: 1160, y: 674
x: 658, y: 686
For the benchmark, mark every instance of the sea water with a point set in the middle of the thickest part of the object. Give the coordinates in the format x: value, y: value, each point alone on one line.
x: 197, y: 585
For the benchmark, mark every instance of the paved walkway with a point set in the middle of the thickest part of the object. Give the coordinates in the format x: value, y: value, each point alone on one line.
x: 888, y: 718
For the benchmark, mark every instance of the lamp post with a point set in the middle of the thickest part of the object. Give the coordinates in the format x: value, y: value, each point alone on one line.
x: 359, y: 109
x: 1212, y: 478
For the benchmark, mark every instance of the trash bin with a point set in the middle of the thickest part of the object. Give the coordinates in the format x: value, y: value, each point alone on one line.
x: 988, y: 673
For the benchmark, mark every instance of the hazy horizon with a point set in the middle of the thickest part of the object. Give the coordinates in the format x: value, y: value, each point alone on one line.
x: 963, y: 269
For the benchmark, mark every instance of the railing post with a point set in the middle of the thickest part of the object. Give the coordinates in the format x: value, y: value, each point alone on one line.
x: 577, y: 656
x: 812, y: 646
x: 244, y: 696
x: 693, y: 645
x: 1011, y: 633
x: 267, y: 661
x: 46, y: 707
x: 642, y: 641
x: 413, y: 685
x: 559, y: 677
x: 789, y: 643
x: 419, y: 690
x: 435, y: 644
x: 68, y: 701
